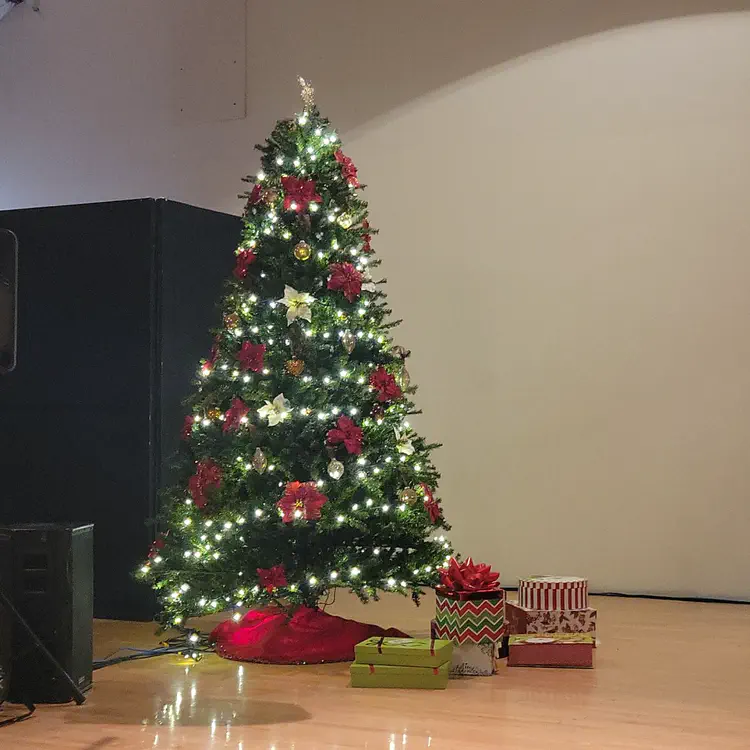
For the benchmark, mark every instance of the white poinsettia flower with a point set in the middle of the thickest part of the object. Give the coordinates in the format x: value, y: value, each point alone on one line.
x: 297, y: 304
x: 403, y: 444
x: 276, y: 411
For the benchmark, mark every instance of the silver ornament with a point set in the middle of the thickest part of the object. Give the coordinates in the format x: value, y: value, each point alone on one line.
x: 259, y: 462
x: 349, y: 340
x: 335, y: 469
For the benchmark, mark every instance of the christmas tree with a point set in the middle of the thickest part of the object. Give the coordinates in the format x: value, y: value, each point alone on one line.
x: 300, y: 472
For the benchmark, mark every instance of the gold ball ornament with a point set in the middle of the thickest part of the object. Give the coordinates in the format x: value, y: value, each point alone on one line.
x: 302, y: 251
x: 408, y: 496
x: 349, y: 341
x: 269, y: 196
x: 403, y: 378
x: 294, y: 367
x: 335, y: 469
x: 259, y: 462
x: 213, y: 413
x: 345, y: 221
x: 231, y: 320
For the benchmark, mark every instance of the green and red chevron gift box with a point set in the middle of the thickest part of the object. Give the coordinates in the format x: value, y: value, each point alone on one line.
x: 470, y: 605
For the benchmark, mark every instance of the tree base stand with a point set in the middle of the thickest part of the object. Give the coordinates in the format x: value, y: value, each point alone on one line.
x: 273, y: 635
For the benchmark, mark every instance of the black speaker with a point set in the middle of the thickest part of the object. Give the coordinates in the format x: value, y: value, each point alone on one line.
x: 52, y: 589
x: 5, y: 626
x: 115, y: 306
x: 8, y: 297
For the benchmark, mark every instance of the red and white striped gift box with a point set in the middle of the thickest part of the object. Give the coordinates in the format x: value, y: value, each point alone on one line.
x: 553, y: 592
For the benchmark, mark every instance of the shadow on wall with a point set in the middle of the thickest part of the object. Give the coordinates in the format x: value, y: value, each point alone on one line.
x: 367, y: 63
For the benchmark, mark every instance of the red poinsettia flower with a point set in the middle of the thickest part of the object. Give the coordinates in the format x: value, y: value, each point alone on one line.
x: 298, y: 194
x: 301, y: 500
x: 272, y: 578
x: 432, y: 506
x: 251, y: 356
x: 207, y: 477
x: 255, y: 194
x: 385, y: 384
x: 237, y: 411
x: 347, y: 433
x: 366, y: 237
x: 347, y: 278
x: 187, y: 427
x: 245, y: 258
x: 348, y: 170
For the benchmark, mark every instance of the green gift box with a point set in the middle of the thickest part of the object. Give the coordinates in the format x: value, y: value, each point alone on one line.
x: 403, y: 652
x: 390, y: 676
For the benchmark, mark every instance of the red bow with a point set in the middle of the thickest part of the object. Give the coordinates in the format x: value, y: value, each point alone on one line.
x: 235, y: 414
x: 467, y: 576
x: 272, y: 578
x: 302, y: 497
x: 251, y: 356
x: 347, y: 278
x: 207, y: 476
x: 385, y: 384
x: 245, y: 258
x: 347, y: 433
x: 299, y: 192
x: 430, y: 503
x: 348, y: 170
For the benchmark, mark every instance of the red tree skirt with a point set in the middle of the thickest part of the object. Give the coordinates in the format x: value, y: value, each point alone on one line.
x: 309, y: 636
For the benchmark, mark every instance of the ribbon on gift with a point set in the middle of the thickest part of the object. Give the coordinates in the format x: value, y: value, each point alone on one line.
x: 459, y: 580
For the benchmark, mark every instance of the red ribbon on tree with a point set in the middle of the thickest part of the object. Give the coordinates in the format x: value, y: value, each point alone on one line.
x: 251, y: 356
x: 207, y: 477
x: 255, y: 194
x: 301, y: 500
x: 272, y: 578
x: 432, y: 506
x: 237, y: 411
x: 385, y: 384
x: 298, y: 194
x: 348, y: 170
x: 347, y: 278
x: 468, y: 577
x: 187, y: 427
x: 366, y: 237
x: 348, y: 433
x: 245, y: 258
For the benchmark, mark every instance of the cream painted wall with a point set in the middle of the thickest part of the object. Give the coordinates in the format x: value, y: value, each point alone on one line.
x: 562, y: 191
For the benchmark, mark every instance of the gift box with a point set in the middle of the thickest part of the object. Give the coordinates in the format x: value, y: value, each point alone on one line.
x: 469, y: 605
x: 551, y: 650
x: 520, y: 620
x: 391, y: 676
x: 408, y: 652
x: 472, y: 621
x: 553, y: 592
x: 476, y: 659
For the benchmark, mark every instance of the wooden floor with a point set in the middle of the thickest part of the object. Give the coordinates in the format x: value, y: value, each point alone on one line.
x: 668, y: 675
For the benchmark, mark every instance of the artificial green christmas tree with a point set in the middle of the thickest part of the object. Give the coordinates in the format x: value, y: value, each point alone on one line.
x: 300, y: 471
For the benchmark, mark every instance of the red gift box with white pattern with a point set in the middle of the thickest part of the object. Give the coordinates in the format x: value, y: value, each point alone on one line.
x: 553, y: 592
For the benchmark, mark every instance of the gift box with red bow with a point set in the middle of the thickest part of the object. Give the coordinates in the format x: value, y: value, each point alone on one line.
x: 470, y: 607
